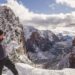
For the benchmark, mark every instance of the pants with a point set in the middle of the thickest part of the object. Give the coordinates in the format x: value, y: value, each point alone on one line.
x: 6, y: 62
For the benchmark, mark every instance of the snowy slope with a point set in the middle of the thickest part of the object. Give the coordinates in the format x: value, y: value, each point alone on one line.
x: 25, y: 69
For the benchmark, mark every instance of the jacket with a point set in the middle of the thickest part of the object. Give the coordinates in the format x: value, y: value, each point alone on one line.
x: 3, y: 53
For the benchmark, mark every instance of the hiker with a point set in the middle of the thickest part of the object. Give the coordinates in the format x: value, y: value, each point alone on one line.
x: 4, y: 59
x: 72, y: 56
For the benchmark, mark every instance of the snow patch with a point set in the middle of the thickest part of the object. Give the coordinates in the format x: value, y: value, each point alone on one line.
x: 25, y: 69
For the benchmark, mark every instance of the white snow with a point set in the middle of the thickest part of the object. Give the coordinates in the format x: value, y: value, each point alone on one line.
x: 28, y: 30
x: 25, y: 69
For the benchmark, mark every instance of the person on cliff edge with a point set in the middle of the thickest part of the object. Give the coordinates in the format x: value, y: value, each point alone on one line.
x: 4, y: 59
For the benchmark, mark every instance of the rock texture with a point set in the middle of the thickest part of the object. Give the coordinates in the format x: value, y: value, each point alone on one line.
x: 13, y: 31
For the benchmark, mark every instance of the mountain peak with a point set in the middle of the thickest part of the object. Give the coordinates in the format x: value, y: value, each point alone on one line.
x: 10, y: 24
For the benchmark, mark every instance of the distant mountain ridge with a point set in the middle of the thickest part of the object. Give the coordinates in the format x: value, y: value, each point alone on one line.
x: 45, y: 47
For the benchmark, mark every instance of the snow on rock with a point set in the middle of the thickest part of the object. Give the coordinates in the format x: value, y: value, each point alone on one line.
x: 13, y: 32
x: 28, y: 30
x: 25, y: 69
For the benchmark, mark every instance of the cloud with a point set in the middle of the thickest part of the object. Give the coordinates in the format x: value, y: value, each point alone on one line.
x: 68, y: 20
x: 50, y: 20
x: 52, y: 6
x: 70, y: 3
x: 21, y: 11
x: 43, y: 21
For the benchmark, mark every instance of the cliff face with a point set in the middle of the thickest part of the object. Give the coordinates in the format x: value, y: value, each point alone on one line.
x: 13, y: 31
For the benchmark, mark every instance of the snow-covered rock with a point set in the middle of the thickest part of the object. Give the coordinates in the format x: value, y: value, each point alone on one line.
x: 13, y: 32
x: 46, y: 48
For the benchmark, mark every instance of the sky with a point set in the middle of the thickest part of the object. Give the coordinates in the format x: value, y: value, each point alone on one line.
x: 55, y: 15
x: 46, y: 6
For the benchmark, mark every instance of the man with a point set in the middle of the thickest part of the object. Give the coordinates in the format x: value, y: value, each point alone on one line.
x: 4, y: 60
